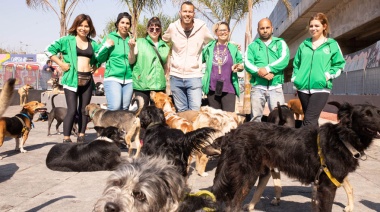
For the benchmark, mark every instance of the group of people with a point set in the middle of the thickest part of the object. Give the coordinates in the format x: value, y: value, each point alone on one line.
x: 139, y: 66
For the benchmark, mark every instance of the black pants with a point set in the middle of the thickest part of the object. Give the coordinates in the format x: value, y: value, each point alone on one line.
x: 312, y: 106
x: 84, y: 93
x: 224, y: 102
x: 146, y: 96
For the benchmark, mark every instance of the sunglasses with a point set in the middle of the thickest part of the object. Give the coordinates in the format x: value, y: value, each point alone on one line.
x: 152, y: 29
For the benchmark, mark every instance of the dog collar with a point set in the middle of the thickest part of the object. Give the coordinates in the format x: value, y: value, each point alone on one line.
x: 355, y: 153
x: 93, y: 113
x: 324, y: 166
x: 30, y: 119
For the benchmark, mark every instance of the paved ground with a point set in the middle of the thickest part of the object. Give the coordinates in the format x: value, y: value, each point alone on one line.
x: 27, y: 185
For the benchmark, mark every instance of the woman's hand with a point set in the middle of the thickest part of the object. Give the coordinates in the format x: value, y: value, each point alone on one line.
x: 132, y: 43
x: 64, y: 66
x: 109, y: 42
x: 237, y: 67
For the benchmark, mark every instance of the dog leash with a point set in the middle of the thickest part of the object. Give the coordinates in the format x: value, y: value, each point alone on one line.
x: 324, y: 167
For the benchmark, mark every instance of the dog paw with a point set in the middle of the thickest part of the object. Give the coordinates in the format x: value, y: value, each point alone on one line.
x: 348, y: 209
x: 249, y: 207
x: 275, y: 202
x: 23, y: 151
x: 204, y: 174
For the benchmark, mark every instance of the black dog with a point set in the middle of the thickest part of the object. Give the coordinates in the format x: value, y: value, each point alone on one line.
x: 59, y: 114
x: 159, y: 139
x: 258, y: 146
x: 44, y: 115
x: 99, y: 89
x: 99, y: 155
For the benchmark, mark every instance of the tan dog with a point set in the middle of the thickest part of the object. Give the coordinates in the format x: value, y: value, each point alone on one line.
x: 20, y: 125
x: 296, y: 107
x: 56, y: 87
x: 24, y: 93
x: 122, y: 119
x: 173, y: 120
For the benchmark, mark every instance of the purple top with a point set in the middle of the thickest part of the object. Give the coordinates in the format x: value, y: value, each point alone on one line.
x: 226, y: 71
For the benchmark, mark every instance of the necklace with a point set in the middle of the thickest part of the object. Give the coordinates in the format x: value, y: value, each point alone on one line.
x: 220, y: 56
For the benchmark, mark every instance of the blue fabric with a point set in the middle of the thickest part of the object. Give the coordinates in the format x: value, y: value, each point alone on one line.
x: 187, y: 93
x: 118, y: 95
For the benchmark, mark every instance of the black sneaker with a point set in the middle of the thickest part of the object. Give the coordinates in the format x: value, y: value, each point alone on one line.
x: 81, y: 139
x: 67, y: 141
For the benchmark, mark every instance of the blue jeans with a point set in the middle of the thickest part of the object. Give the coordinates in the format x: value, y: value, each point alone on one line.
x: 187, y: 93
x: 118, y: 95
x: 258, y: 99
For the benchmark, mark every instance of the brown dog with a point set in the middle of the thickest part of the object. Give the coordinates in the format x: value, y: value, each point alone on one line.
x: 24, y: 92
x: 20, y: 125
x: 296, y: 107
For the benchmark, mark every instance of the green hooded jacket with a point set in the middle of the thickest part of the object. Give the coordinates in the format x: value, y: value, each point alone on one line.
x: 274, y: 58
x: 207, y: 57
x: 67, y: 46
x: 116, y: 58
x: 148, y: 73
x: 315, y: 69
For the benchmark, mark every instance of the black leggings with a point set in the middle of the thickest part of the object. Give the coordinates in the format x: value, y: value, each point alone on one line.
x: 84, y: 93
x: 225, y: 102
x: 312, y: 106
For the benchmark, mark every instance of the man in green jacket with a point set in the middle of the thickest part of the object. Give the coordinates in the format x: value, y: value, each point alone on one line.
x: 265, y: 59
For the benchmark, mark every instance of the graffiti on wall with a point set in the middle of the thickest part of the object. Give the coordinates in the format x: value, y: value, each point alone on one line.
x: 363, y: 59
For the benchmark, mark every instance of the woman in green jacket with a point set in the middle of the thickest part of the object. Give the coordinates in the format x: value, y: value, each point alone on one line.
x: 317, y: 62
x: 77, y: 50
x: 149, y: 57
x: 114, y: 51
x: 223, y: 61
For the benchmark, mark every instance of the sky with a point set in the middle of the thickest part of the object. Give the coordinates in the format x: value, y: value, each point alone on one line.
x: 31, y: 30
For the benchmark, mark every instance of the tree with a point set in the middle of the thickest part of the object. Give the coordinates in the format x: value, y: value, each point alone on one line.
x: 64, y: 9
x: 136, y: 7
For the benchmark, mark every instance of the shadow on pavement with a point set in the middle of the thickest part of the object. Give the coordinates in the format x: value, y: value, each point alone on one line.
x: 49, y: 203
x: 7, y: 171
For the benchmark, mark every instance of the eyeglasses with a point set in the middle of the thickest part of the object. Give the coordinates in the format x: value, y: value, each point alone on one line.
x: 152, y: 29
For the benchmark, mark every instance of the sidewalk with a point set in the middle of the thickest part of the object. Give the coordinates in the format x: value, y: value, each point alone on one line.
x: 27, y: 185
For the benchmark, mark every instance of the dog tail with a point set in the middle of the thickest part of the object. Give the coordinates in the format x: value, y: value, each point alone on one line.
x: 140, y: 103
x: 52, y: 101
x: 6, y: 95
x: 198, y: 139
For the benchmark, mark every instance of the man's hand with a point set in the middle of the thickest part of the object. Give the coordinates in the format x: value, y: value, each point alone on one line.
x: 269, y: 76
x: 262, y: 72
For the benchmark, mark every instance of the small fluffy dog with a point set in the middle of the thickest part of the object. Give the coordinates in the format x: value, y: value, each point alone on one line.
x: 24, y: 93
x: 99, y: 89
x: 177, y: 146
x: 122, y: 119
x: 101, y: 154
x: 149, y: 184
x: 297, y: 153
x: 20, y: 125
x: 296, y: 107
x: 59, y: 114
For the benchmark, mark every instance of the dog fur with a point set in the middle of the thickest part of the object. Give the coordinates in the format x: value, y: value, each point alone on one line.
x: 6, y: 95
x: 99, y: 89
x: 296, y: 107
x: 159, y: 139
x: 253, y: 148
x: 220, y: 120
x: 56, y: 87
x: 14, y: 128
x: 149, y: 184
x: 122, y: 119
x: 101, y: 154
x: 24, y: 93
x: 59, y: 114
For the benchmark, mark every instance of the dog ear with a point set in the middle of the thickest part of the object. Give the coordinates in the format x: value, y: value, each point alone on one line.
x: 345, y: 114
x: 98, y: 129
x: 336, y: 104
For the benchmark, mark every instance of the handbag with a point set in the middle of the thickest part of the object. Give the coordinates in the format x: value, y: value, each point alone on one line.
x: 83, y: 79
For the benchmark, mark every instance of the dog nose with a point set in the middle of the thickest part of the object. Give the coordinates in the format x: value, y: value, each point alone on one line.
x: 111, y: 207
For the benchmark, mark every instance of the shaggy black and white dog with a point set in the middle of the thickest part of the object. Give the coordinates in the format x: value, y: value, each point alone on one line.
x: 258, y: 146
x: 99, y: 155
x: 159, y: 139
x: 99, y: 89
x: 149, y: 184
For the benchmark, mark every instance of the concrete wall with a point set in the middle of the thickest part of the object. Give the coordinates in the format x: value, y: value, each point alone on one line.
x: 34, y: 95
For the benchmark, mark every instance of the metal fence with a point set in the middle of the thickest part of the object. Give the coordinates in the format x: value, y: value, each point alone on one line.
x: 359, y: 82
